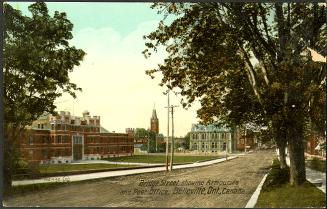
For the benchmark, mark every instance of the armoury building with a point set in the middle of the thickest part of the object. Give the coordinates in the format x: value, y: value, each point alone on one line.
x: 65, y: 138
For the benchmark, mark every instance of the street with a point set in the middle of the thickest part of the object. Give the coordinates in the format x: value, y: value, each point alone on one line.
x: 226, y: 184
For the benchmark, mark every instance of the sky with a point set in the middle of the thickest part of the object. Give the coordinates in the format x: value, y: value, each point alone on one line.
x: 112, y: 74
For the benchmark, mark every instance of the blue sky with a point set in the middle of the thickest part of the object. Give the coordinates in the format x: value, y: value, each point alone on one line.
x: 112, y: 74
x: 122, y: 16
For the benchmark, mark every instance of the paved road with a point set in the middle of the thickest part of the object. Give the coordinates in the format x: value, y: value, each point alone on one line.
x: 226, y: 184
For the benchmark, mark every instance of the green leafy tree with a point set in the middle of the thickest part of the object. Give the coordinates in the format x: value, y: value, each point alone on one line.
x: 37, y: 60
x: 186, y: 142
x: 246, y: 62
x: 148, y: 135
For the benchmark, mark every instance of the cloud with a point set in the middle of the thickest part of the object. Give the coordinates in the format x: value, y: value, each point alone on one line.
x: 115, y: 85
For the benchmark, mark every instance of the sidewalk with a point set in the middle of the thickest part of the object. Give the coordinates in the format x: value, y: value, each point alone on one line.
x: 82, y: 177
x: 313, y: 176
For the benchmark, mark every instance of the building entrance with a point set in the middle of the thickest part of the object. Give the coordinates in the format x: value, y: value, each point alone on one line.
x: 77, y: 147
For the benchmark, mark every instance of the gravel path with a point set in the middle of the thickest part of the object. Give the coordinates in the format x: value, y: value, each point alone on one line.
x: 227, y: 184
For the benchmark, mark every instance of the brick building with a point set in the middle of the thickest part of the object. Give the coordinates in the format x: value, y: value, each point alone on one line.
x: 314, y: 145
x: 65, y: 138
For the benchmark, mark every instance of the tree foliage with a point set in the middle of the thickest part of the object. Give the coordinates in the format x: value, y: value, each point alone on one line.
x: 37, y: 61
x: 246, y: 62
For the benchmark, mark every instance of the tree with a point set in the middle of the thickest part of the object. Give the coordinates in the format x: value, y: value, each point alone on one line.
x: 37, y: 60
x: 210, y: 44
x: 186, y: 142
x: 148, y: 135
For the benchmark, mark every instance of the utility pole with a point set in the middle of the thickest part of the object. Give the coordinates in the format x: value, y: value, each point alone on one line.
x: 244, y: 139
x: 167, y: 142
x: 172, y: 138
x: 226, y: 141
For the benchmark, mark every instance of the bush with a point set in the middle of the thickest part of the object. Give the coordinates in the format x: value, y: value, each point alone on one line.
x: 276, y: 176
x: 22, y: 168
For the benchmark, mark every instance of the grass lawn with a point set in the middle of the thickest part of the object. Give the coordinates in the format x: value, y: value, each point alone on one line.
x: 317, y: 164
x: 162, y: 159
x: 286, y: 195
x: 55, y: 168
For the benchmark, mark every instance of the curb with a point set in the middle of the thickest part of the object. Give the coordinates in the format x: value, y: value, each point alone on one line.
x: 254, y: 198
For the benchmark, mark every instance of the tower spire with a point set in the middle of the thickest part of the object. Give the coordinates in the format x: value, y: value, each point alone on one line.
x: 154, y: 120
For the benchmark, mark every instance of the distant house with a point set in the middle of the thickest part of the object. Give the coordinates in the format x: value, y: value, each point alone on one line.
x: 315, y: 145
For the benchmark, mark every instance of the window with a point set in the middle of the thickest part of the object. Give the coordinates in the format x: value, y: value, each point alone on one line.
x: 45, y: 153
x: 212, y: 145
x: 38, y: 126
x: 52, y: 127
x: 30, y: 140
x: 44, y: 139
x: 42, y: 126
x: 77, y: 140
x: 59, y: 138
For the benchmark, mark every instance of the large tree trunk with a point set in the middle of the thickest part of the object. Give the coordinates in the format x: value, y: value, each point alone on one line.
x: 295, y: 138
x: 7, y: 165
x: 11, y: 138
x: 280, y: 138
x: 282, y: 155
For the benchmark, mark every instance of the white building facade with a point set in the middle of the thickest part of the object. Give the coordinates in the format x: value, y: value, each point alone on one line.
x: 211, y: 139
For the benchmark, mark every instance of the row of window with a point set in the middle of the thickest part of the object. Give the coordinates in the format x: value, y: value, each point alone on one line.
x: 67, y: 127
x: 105, y: 150
x: 214, y: 145
x: 48, y: 153
x: 40, y: 126
x: 62, y: 139
x: 105, y: 139
x: 59, y: 139
x: 210, y: 135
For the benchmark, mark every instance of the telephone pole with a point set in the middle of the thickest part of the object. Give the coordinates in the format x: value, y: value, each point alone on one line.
x: 245, y: 139
x: 167, y: 141
x: 172, y: 137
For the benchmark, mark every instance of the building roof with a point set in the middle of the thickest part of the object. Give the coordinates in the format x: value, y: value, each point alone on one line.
x: 209, y: 128
x: 103, y: 130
